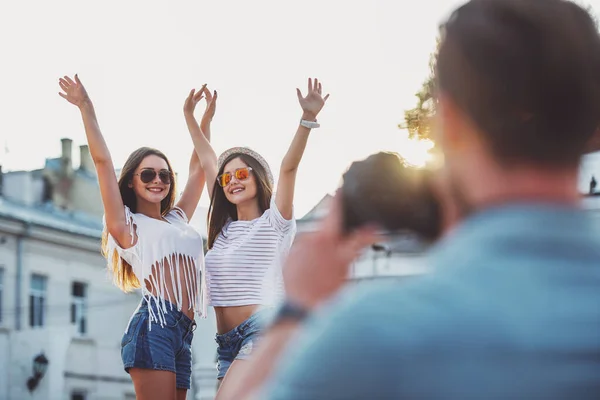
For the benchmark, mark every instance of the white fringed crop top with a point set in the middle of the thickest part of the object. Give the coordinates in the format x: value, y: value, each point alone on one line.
x: 243, y: 267
x: 169, y: 243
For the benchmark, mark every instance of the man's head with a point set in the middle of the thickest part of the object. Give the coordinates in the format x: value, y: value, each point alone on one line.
x: 518, y: 85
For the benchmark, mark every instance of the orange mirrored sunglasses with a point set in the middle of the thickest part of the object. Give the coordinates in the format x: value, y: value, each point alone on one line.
x: 241, y: 174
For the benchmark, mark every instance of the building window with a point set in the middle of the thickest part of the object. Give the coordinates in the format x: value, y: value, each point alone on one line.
x: 79, y: 306
x: 1, y: 292
x: 78, y: 395
x: 37, y: 300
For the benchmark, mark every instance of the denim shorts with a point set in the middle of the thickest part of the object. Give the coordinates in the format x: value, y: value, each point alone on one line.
x: 238, y: 343
x: 166, y: 348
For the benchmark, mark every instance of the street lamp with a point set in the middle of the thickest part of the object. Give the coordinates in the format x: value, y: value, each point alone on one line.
x: 40, y: 365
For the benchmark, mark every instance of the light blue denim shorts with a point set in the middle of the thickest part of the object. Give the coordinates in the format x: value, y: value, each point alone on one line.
x: 238, y: 343
x: 166, y: 348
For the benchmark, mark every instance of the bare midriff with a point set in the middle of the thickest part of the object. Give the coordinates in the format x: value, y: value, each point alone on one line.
x: 171, y: 292
x: 230, y: 317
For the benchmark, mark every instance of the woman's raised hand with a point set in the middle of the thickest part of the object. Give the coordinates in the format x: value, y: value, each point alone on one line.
x: 211, y: 104
x: 313, y: 102
x: 193, y: 98
x: 74, y: 92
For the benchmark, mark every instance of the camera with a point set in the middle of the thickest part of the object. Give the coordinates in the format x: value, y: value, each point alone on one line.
x: 383, y: 190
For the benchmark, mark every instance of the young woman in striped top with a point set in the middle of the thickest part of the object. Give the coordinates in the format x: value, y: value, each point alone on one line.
x: 249, y: 230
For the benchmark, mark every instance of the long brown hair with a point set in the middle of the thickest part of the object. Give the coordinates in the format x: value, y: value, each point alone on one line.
x: 221, y: 210
x: 122, y: 273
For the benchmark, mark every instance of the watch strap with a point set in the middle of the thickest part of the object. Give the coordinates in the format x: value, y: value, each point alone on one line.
x: 309, y: 124
x: 290, y: 311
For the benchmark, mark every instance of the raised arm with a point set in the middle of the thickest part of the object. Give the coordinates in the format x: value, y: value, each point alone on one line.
x: 195, y: 184
x: 311, y: 106
x: 192, y: 192
x: 201, y: 139
x: 75, y: 93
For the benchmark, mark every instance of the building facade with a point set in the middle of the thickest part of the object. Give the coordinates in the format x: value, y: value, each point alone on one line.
x: 56, y: 297
x: 58, y: 300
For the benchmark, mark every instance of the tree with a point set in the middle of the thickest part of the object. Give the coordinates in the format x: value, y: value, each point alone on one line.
x: 418, y: 121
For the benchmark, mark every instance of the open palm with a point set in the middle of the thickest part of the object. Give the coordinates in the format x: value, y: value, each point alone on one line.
x: 74, y: 92
x: 314, y: 101
x: 192, y: 100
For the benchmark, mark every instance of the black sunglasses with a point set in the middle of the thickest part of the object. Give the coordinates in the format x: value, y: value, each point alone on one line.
x: 148, y: 175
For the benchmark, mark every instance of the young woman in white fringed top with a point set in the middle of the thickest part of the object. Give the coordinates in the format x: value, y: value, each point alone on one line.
x: 150, y: 246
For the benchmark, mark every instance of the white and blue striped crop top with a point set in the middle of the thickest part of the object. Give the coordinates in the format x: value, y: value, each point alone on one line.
x: 243, y: 267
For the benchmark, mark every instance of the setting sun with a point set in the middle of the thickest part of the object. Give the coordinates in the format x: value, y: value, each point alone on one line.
x: 415, y: 152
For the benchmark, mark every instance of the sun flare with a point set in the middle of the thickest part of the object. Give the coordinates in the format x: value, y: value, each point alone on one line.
x: 416, y: 152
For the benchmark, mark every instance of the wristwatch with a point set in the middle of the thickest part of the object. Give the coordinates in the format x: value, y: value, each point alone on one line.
x: 290, y: 311
x: 309, y: 124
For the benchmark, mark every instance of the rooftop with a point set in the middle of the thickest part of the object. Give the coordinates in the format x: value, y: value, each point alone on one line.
x: 48, y: 216
x: 55, y: 164
x: 74, y: 222
x: 318, y: 211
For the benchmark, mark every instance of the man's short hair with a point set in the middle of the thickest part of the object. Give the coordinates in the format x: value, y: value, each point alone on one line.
x: 527, y: 72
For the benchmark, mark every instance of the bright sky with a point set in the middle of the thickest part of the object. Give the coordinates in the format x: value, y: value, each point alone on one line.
x: 139, y: 59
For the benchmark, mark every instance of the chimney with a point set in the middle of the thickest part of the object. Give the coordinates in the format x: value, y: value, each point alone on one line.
x: 86, y: 163
x: 66, y: 156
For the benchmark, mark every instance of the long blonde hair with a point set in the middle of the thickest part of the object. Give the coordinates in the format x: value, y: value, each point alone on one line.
x: 122, y: 273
